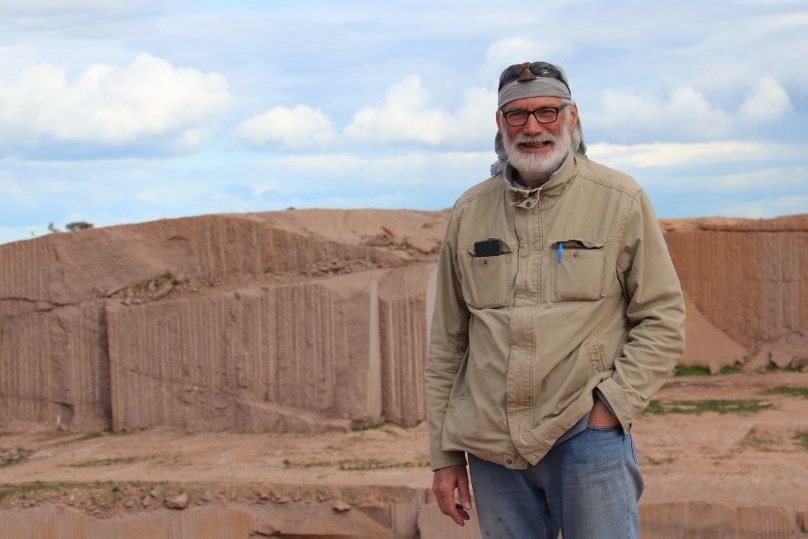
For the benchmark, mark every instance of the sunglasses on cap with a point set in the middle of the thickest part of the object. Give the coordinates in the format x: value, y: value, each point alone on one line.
x: 529, y: 71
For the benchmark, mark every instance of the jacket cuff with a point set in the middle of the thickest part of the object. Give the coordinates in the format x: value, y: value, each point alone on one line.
x: 444, y: 459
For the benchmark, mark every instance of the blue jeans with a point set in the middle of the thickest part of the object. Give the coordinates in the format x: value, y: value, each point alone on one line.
x: 587, y: 487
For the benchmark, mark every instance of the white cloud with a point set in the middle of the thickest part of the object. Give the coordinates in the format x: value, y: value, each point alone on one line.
x: 768, y: 179
x: 111, y: 105
x: 404, y: 117
x: 189, y: 139
x: 49, y: 8
x: 475, y: 119
x: 336, y: 163
x: 767, y: 103
x: 407, y: 116
x: 686, y: 113
x: 10, y: 188
x: 380, y: 167
x: 767, y: 207
x: 676, y: 154
x: 441, y: 176
x: 301, y: 127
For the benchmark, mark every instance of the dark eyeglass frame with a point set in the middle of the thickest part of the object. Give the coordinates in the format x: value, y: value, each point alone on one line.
x: 539, y: 69
x: 535, y: 113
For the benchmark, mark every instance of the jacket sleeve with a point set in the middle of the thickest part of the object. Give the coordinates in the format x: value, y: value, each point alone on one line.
x: 655, y: 315
x: 448, y: 343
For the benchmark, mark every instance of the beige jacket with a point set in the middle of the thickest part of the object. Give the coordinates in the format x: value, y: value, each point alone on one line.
x: 520, y: 341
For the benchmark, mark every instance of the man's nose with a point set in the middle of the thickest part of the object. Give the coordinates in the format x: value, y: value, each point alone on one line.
x: 532, y: 126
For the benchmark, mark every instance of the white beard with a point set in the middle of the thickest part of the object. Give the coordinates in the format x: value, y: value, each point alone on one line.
x: 533, y: 166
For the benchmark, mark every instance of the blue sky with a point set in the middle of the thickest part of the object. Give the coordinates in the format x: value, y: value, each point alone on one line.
x: 122, y: 111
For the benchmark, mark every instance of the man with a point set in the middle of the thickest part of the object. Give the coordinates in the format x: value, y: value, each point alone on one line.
x: 558, y: 314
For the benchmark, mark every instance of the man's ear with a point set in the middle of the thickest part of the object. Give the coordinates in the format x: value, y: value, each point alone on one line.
x: 497, y: 119
x: 574, y: 114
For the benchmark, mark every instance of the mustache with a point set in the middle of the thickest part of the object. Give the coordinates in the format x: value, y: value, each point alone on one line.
x: 544, y: 137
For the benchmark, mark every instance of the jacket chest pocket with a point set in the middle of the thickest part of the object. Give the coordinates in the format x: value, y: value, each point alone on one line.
x: 488, y: 281
x: 578, y: 272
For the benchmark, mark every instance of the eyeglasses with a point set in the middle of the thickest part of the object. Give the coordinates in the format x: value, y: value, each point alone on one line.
x: 544, y: 115
x: 539, y: 69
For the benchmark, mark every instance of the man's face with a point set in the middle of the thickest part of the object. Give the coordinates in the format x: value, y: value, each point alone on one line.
x: 536, y: 150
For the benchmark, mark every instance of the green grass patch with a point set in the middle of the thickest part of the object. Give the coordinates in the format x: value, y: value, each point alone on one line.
x: 654, y: 408
x: 771, y: 367
x: 163, y: 278
x: 104, y: 462
x: 759, y: 440
x: 361, y: 427
x: 787, y: 390
x: 730, y: 369
x: 98, y: 492
x: 9, y: 457
x: 91, y: 436
x: 7, y: 491
x: 372, y: 464
x: 801, y: 438
x: 698, y: 370
x: 358, y: 465
x: 750, y: 406
x: 660, y: 461
x: 695, y: 370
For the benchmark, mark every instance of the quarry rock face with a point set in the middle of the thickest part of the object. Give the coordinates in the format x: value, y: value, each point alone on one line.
x: 749, y: 279
x: 290, y: 321
x: 312, y: 320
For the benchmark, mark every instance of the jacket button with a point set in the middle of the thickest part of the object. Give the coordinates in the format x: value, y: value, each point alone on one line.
x: 509, y: 462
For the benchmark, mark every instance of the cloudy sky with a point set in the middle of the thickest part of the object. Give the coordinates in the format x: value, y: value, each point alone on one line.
x: 121, y: 111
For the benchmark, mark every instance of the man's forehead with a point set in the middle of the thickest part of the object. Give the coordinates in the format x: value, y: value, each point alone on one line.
x: 534, y: 102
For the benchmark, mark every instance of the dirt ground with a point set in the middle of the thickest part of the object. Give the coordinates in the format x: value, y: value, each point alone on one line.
x: 738, y: 439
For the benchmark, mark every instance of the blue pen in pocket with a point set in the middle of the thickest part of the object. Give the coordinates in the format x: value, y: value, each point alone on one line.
x: 560, y: 252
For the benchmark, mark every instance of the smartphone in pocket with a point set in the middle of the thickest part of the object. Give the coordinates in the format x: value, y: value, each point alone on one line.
x: 489, y: 247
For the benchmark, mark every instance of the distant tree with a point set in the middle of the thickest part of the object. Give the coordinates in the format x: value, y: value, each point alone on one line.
x: 53, y: 228
x: 78, y: 225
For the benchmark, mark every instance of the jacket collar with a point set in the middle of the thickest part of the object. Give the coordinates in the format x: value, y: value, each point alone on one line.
x: 558, y: 182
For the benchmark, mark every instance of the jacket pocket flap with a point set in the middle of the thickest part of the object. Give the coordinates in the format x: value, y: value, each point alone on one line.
x: 579, y: 243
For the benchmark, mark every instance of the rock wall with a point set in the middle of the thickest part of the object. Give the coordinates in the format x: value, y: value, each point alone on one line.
x: 349, y: 512
x: 276, y: 321
x: 196, y: 523
x: 59, y: 522
x: 403, y: 326
x: 403, y: 517
x: 292, y: 357
x: 54, y: 366
x: 747, y: 277
x: 310, y: 320
x: 714, y: 520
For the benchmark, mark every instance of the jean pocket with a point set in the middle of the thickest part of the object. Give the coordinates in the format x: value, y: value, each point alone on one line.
x: 633, y: 448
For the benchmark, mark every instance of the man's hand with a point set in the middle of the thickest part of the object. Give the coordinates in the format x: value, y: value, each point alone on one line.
x: 445, y: 483
x: 601, y: 416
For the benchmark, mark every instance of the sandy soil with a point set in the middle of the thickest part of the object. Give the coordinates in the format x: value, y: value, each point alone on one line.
x: 740, y: 458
